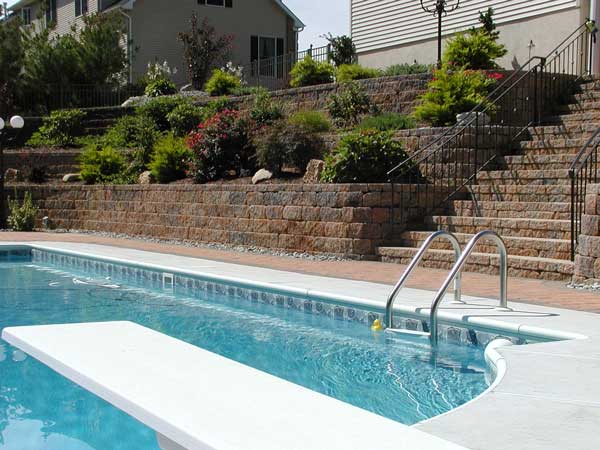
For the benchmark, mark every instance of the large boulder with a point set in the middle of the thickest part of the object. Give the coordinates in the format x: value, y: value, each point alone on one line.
x: 72, y: 178
x: 13, y: 176
x: 146, y: 178
x: 261, y: 175
x: 313, y: 171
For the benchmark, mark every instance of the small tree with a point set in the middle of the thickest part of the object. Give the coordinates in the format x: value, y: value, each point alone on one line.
x: 204, y: 50
x: 11, y: 61
x: 101, y: 55
x: 343, y: 50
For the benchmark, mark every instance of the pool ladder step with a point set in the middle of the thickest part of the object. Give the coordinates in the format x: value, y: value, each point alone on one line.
x: 454, y: 276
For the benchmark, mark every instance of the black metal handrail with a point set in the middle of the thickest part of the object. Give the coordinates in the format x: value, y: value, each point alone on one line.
x: 583, y: 171
x: 443, y: 168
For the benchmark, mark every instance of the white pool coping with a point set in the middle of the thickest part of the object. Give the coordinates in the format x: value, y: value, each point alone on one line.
x: 548, y: 398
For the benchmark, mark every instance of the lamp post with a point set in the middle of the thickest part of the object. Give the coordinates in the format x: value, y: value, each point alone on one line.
x: 17, y: 123
x: 441, y: 8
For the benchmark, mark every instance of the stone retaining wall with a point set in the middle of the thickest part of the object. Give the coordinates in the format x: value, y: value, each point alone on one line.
x: 347, y: 220
x: 54, y: 161
x: 392, y: 94
x: 587, y: 259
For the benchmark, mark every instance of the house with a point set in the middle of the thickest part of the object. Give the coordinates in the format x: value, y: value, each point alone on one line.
x: 260, y: 28
x: 394, y: 32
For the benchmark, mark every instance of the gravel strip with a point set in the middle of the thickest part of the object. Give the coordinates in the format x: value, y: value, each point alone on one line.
x: 212, y: 246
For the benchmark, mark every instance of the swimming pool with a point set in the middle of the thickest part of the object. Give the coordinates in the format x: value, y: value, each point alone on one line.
x: 324, y: 347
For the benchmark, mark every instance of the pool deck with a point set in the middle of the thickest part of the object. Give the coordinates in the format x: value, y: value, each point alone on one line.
x: 549, y: 397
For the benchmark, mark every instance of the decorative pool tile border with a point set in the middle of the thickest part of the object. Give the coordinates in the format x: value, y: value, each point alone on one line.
x: 201, y: 288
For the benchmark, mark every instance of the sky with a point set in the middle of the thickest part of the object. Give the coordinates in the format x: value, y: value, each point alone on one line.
x: 320, y: 17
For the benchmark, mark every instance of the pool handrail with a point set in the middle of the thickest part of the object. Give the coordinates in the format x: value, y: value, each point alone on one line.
x: 389, y: 308
x: 455, y: 272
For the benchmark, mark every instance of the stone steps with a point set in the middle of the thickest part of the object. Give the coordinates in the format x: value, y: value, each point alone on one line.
x: 570, y: 131
x: 574, y: 118
x: 518, y: 246
x: 520, y: 227
x: 551, y: 146
x: 522, y: 193
x: 512, y: 210
x: 559, y: 161
x: 488, y: 263
x: 523, y: 177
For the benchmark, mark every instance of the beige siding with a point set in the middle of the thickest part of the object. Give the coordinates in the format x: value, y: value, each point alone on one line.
x: 65, y: 14
x: 378, y: 24
x: 157, y: 23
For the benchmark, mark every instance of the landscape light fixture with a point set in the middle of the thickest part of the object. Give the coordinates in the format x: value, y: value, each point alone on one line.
x: 439, y: 9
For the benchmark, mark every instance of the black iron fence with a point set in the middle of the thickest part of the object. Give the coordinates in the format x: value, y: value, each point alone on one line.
x: 582, y: 172
x: 274, y: 73
x: 55, y: 97
x: 450, y: 164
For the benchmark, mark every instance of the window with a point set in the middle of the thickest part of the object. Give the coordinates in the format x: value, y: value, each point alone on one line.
x: 50, y: 11
x: 221, y: 3
x: 266, y: 54
x: 26, y: 16
x: 81, y: 7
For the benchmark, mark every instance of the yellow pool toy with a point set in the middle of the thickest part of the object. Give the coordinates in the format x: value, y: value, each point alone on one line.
x: 377, y: 326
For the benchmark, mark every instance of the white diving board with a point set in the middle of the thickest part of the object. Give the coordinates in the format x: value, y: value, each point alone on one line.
x: 195, y: 399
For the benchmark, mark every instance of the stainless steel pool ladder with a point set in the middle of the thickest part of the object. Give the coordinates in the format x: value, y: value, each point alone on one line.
x: 455, y: 272
x: 453, y: 276
x: 389, y: 308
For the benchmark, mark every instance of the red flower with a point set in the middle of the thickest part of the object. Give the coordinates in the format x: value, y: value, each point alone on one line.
x: 495, y: 76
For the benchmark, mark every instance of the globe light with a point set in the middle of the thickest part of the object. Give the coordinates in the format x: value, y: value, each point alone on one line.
x: 1, y: 123
x: 17, y: 122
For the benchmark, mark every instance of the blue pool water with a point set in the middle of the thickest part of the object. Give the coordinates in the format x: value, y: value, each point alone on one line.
x: 394, y: 377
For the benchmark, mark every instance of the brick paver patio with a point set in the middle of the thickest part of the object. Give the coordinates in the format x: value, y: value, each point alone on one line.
x: 541, y: 292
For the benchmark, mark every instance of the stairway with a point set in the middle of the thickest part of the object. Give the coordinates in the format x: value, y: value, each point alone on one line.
x: 525, y: 198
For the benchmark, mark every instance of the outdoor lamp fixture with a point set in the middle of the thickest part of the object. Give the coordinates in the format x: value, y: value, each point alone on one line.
x: 17, y: 123
x: 439, y: 8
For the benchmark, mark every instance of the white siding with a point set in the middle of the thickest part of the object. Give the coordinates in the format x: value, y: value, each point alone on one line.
x: 378, y: 24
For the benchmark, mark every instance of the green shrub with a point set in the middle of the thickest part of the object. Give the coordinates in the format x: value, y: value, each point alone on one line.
x: 134, y: 132
x: 350, y: 105
x: 184, y: 118
x: 351, y: 72
x: 476, y: 49
x: 170, y: 159
x: 452, y: 92
x: 408, y: 69
x: 103, y: 165
x: 159, y: 108
x: 342, y: 49
x: 313, y: 121
x: 363, y: 157
x: 309, y: 72
x: 222, y: 83
x: 286, y: 144
x: 264, y: 110
x: 60, y: 129
x: 219, y: 145
x: 161, y: 86
x: 387, y: 122
x: 22, y: 217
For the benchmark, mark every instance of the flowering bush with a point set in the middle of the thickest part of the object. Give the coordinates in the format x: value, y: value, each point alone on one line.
x: 158, y: 78
x: 157, y: 71
x: 236, y: 71
x: 220, y: 145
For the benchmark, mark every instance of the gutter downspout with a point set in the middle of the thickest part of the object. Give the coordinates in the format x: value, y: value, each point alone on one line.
x: 129, y: 43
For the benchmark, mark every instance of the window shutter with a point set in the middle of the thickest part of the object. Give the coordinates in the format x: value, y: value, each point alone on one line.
x: 85, y: 7
x: 77, y: 8
x: 202, y: 2
x: 228, y: 3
